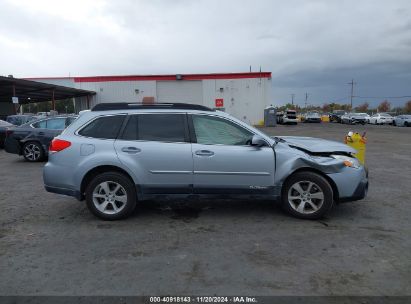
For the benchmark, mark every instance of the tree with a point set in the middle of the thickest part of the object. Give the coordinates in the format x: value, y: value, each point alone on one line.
x: 407, y: 107
x: 289, y: 106
x: 47, y: 106
x: 326, y: 107
x: 384, y: 106
x: 362, y: 107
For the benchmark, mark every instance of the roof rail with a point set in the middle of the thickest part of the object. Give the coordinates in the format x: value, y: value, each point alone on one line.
x: 125, y: 106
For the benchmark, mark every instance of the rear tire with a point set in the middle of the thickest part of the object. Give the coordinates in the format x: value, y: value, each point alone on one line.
x: 33, y: 151
x: 111, y: 196
x: 406, y: 124
x: 307, y: 195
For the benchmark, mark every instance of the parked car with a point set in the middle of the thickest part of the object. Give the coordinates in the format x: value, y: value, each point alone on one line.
x: 43, y: 114
x: 312, y: 117
x: 288, y: 117
x: 381, y: 118
x: 336, y: 115
x: 4, y: 125
x: 402, y: 121
x: 20, y: 119
x: 118, y: 154
x: 32, y: 139
x: 354, y: 118
x: 366, y: 116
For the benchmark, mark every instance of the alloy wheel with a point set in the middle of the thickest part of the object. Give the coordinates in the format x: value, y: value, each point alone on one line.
x: 32, y: 152
x: 305, y: 197
x: 109, y: 197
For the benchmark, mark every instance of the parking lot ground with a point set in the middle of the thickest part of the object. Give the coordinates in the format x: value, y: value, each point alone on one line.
x: 52, y: 245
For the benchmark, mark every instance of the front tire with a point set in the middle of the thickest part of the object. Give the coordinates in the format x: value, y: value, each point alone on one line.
x: 111, y: 196
x: 33, y: 152
x: 307, y: 195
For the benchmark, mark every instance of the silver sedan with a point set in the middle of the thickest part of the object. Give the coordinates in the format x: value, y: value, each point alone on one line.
x: 402, y: 121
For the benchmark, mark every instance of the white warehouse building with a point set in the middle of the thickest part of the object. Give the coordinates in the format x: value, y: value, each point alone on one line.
x: 243, y: 95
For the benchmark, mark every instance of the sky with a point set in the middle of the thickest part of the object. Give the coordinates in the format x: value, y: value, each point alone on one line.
x: 312, y: 46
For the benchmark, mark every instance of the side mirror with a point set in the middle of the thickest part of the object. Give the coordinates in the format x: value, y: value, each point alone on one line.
x: 258, y: 141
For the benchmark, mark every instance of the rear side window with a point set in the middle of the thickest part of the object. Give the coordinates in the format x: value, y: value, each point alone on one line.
x: 40, y: 124
x: 106, y: 127
x: 156, y: 127
x: 56, y: 124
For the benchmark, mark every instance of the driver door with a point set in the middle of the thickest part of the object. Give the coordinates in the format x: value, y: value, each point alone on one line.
x: 225, y: 162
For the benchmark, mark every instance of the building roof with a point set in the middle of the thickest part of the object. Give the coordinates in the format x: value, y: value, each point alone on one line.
x: 164, y: 77
x: 34, y: 91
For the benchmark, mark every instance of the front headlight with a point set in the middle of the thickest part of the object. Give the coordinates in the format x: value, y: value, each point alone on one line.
x: 348, y: 161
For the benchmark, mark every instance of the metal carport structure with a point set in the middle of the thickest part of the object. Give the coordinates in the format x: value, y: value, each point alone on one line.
x: 28, y: 91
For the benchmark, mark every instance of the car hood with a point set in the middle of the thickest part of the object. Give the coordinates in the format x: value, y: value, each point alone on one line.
x: 317, y: 145
x: 358, y: 116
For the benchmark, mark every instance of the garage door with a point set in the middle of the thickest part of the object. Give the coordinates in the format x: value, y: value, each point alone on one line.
x: 180, y: 91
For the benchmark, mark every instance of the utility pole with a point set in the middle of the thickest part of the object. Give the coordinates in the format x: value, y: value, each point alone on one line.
x: 352, y: 90
x: 306, y: 98
x: 292, y: 99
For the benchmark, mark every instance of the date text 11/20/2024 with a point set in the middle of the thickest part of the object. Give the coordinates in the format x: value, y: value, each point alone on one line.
x: 187, y: 299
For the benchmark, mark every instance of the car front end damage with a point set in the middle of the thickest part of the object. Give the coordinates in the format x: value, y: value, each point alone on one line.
x: 333, y: 160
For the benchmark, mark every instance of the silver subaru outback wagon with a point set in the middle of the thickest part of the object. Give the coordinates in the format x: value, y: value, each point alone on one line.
x: 118, y: 154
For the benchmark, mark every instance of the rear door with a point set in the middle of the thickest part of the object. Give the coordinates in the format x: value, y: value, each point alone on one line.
x: 156, y: 147
x: 224, y: 160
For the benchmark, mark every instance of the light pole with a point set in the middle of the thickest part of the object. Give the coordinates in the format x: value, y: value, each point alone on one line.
x: 352, y: 90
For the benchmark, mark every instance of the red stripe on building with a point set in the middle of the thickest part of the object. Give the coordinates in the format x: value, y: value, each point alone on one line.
x: 173, y: 77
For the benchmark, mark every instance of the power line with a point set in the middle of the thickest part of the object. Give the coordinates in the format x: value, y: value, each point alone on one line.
x: 340, y: 99
x: 388, y: 97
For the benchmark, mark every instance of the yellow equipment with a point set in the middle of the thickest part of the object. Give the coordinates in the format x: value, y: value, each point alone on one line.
x: 325, y: 118
x: 358, y: 142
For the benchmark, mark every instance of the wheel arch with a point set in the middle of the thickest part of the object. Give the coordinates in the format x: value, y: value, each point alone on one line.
x: 103, y: 169
x: 336, y: 195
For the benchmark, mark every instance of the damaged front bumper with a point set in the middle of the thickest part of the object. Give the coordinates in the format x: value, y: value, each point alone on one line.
x: 351, y: 184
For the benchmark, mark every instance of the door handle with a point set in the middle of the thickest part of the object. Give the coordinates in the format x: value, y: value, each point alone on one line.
x: 131, y: 150
x: 204, y: 153
x: 41, y: 133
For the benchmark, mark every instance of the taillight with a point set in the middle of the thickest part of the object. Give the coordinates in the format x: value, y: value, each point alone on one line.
x: 8, y: 133
x: 58, y: 145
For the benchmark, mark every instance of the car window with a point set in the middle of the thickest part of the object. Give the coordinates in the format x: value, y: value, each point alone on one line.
x: 15, y: 120
x: 56, y: 124
x: 215, y: 130
x: 156, y: 127
x: 105, y: 127
x: 40, y: 124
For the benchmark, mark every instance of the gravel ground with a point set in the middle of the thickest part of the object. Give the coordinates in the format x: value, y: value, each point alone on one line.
x: 52, y: 245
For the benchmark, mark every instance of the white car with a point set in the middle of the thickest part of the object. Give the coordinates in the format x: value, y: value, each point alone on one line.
x: 288, y: 117
x: 366, y: 116
x: 402, y: 120
x: 381, y: 119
